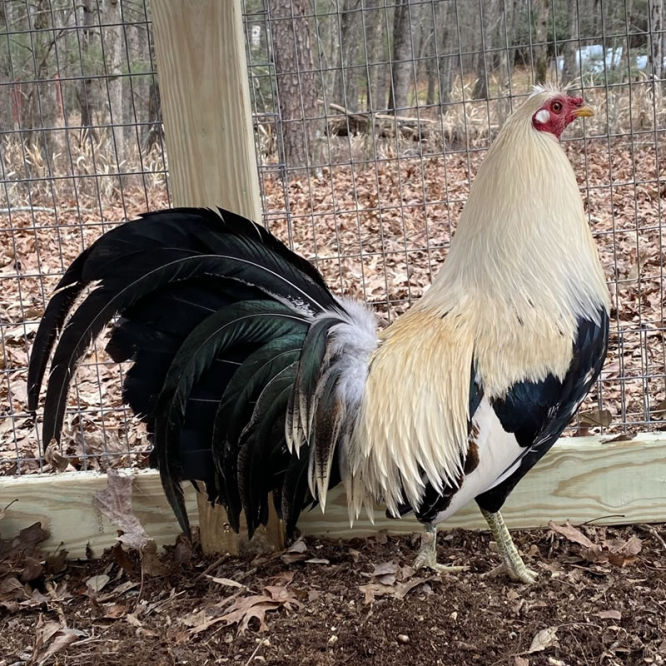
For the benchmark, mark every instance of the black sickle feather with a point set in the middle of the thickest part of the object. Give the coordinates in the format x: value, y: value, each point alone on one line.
x: 253, y: 468
x: 251, y: 321
x: 226, y: 434
x: 98, y: 308
x: 235, y: 407
x: 67, y: 290
x: 299, y: 409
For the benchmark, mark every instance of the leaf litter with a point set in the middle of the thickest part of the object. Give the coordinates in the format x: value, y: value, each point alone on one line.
x: 367, y: 605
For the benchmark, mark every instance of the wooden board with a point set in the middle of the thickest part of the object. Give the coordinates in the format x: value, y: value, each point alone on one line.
x: 579, y: 480
x: 202, y: 69
x: 63, y: 503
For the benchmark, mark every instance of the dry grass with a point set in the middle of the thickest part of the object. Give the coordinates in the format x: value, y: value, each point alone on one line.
x: 377, y: 224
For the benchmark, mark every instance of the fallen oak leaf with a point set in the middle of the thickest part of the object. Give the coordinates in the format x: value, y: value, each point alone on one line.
x: 574, y: 535
x: 543, y: 640
x: 246, y: 608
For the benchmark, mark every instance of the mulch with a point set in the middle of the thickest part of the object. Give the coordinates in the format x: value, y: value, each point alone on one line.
x: 600, y: 599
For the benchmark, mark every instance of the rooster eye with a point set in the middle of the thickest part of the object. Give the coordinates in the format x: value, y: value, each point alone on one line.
x: 556, y: 106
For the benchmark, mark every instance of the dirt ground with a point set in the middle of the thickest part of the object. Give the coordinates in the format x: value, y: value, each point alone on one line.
x: 600, y: 599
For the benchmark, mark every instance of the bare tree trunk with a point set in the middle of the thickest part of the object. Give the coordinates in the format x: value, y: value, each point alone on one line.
x: 297, y: 90
x: 446, y: 45
x: 489, y: 17
x: 541, y: 8
x: 39, y: 109
x: 346, y: 85
x: 656, y: 45
x: 372, y: 19
x: 402, y: 57
x: 383, y: 55
x: 85, y: 93
x: 569, y: 69
x: 113, y: 47
x: 432, y: 81
x: 8, y: 110
x: 155, y: 132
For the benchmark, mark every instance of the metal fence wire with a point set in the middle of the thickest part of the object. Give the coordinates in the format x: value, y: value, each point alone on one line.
x: 364, y: 166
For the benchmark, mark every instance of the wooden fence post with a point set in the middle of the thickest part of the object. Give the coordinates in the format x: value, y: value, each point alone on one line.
x: 202, y: 69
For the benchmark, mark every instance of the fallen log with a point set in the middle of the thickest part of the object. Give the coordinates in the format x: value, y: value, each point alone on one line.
x: 385, y: 126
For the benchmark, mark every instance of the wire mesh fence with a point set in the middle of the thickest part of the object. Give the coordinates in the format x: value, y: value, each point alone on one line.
x: 370, y: 118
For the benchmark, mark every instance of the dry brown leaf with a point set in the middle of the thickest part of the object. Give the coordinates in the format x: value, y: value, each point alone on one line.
x: 398, y: 590
x: 609, y: 615
x: 51, y: 638
x: 295, y: 552
x: 226, y: 581
x: 114, y: 611
x: 97, y: 583
x: 595, y: 417
x: 11, y: 589
x: 32, y: 569
x: 543, y: 640
x: 624, y: 553
x: 244, y: 609
x: 151, y: 564
x: 573, y: 534
x: 622, y: 437
x: 115, y: 502
x: 383, y: 569
x: 53, y: 457
x: 297, y: 547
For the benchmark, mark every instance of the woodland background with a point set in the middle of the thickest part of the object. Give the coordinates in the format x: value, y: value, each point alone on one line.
x: 370, y: 118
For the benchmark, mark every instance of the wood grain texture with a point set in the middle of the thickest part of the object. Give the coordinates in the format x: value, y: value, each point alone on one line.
x: 202, y: 69
x: 579, y: 480
x: 63, y: 503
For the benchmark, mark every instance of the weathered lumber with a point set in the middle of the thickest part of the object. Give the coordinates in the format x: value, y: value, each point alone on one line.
x: 580, y: 479
x: 200, y: 53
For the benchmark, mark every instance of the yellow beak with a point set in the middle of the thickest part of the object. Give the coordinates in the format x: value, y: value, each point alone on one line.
x: 584, y: 112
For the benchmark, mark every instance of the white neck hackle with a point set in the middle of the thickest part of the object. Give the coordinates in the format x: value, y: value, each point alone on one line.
x: 521, y: 271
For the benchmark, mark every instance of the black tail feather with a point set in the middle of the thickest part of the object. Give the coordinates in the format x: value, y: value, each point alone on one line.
x: 227, y: 331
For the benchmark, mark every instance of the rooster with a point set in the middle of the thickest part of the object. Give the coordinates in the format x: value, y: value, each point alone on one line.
x: 253, y: 378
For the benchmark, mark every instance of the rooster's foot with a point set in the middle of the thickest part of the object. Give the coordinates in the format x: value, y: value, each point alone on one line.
x: 512, y: 562
x: 427, y: 557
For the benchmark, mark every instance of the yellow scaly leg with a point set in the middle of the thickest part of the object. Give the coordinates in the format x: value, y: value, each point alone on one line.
x: 511, y: 559
x: 427, y: 556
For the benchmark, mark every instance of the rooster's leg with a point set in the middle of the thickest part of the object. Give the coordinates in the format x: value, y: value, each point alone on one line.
x: 427, y: 556
x: 512, y: 562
